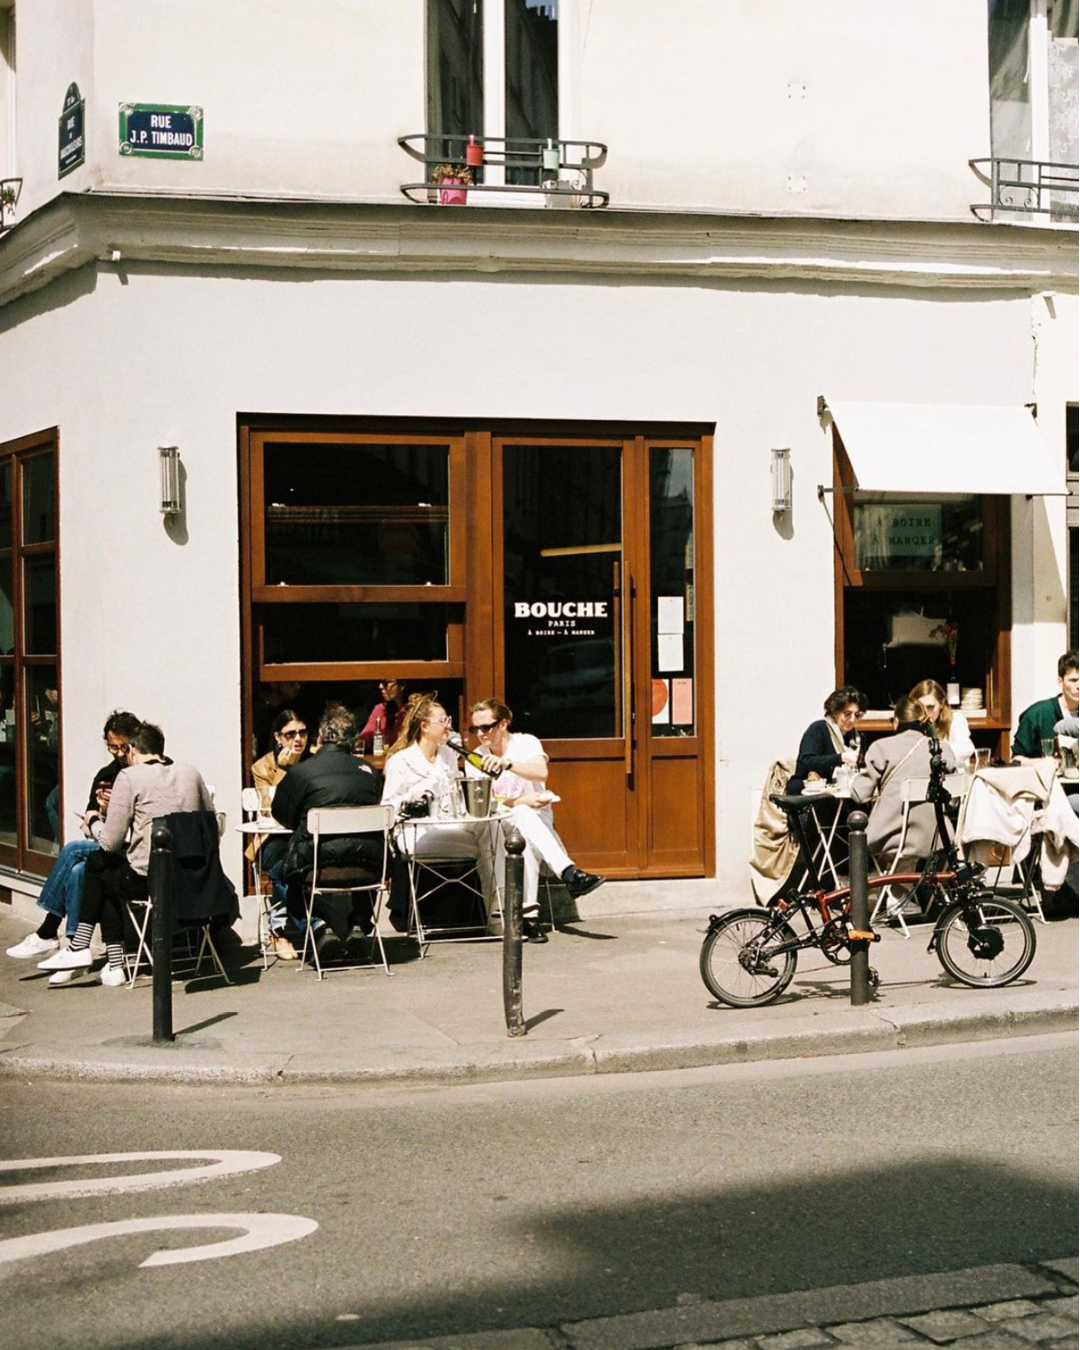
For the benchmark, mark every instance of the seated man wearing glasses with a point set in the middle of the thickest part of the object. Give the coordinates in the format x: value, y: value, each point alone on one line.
x: 518, y: 761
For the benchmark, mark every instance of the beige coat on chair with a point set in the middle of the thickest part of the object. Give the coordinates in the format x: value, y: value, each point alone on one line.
x: 889, y: 763
x: 775, y: 850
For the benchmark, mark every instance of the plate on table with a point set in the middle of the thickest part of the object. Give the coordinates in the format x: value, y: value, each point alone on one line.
x: 815, y: 788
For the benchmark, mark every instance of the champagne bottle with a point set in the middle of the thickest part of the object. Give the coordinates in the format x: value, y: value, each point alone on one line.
x: 471, y: 757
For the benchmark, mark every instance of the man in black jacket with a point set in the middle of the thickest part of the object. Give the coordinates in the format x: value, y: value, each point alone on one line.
x: 332, y: 777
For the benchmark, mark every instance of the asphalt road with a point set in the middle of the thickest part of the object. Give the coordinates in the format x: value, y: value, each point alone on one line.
x: 531, y: 1204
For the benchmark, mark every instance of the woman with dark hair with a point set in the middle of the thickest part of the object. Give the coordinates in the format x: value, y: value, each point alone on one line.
x: 832, y: 739
x: 291, y: 746
x: 387, y: 716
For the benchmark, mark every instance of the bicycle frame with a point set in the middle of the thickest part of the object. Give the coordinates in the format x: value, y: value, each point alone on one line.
x: 800, y: 900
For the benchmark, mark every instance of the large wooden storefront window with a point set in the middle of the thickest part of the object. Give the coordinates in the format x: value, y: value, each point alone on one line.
x: 922, y: 592
x: 30, y: 797
x: 566, y: 570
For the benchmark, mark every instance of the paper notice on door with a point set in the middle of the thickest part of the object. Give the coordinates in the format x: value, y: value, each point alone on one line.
x: 669, y: 651
x: 669, y: 614
x: 661, y: 703
x: 682, y: 702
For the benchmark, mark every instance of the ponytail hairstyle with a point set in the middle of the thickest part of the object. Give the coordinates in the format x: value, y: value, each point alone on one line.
x: 418, y: 710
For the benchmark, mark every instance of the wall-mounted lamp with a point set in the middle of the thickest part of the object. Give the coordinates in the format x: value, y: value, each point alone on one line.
x: 781, y: 480
x: 169, y: 462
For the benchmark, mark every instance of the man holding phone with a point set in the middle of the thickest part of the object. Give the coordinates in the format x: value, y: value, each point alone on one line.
x: 60, y: 895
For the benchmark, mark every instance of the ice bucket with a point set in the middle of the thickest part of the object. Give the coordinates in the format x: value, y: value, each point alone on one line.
x: 477, y: 796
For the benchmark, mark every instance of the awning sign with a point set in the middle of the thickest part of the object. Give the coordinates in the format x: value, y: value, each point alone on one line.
x: 71, y: 150
x: 161, y: 131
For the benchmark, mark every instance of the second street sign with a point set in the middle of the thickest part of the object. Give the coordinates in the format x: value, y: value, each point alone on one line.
x: 161, y: 131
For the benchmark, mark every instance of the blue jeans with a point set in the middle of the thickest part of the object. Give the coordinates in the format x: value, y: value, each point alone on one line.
x: 63, y: 886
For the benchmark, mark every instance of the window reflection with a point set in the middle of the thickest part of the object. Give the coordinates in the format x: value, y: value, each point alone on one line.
x: 671, y: 551
x: 303, y: 634
x: 357, y: 515
x: 562, y: 551
x: 43, y: 726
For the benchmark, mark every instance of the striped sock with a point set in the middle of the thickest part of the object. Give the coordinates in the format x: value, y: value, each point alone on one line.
x: 81, y: 941
x: 115, y: 952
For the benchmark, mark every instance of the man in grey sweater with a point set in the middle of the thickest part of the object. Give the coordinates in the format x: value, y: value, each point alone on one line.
x: 150, y: 786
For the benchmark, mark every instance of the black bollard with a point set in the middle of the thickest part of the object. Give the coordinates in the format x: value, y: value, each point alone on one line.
x: 163, y: 901
x: 860, y: 912
x: 512, y: 925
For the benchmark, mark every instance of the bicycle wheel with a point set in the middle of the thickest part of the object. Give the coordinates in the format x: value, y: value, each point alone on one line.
x: 739, y: 963
x: 985, y: 942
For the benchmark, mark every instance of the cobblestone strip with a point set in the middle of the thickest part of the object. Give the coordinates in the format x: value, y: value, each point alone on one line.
x: 1005, y: 1307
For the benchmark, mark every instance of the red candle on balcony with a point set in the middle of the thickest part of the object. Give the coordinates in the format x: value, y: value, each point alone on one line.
x: 474, y: 154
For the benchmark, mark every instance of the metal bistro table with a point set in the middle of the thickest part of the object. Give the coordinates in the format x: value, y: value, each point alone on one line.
x: 406, y: 834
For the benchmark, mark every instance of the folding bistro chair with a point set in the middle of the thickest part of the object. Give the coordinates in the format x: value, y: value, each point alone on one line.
x: 332, y: 822
x: 913, y: 792
x: 139, y: 912
x: 263, y: 897
x: 434, y: 872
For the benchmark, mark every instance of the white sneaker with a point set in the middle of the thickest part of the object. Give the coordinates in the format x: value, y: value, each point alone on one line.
x: 62, y: 977
x: 113, y: 976
x: 67, y: 960
x: 32, y: 945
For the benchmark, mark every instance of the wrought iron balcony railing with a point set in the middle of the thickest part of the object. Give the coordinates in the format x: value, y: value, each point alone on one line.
x: 557, y: 171
x: 1027, y: 187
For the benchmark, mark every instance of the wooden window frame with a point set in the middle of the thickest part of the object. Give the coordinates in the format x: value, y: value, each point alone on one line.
x: 20, y: 857
x: 994, y: 580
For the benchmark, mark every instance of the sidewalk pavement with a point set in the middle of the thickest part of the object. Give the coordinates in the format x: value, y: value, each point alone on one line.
x: 607, y: 994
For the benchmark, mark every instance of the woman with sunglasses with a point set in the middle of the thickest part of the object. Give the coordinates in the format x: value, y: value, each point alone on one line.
x: 832, y: 740
x: 421, y: 766
x: 291, y: 746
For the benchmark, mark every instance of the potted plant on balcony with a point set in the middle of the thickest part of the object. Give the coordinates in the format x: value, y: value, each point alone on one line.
x: 9, y: 195
x: 454, y: 180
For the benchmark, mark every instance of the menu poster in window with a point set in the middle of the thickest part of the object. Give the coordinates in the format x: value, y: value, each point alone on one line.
x: 661, y: 703
x: 682, y: 702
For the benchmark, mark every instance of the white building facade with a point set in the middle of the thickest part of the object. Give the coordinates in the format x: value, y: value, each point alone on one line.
x: 524, y: 445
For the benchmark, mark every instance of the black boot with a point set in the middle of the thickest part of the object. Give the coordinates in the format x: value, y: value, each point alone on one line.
x: 580, y: 883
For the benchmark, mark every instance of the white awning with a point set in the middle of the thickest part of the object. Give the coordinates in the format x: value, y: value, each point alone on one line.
x: 940, y: 448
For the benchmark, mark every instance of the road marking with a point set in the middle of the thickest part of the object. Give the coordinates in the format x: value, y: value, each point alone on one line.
x: 257, y: 1231
x: 225, y: 1162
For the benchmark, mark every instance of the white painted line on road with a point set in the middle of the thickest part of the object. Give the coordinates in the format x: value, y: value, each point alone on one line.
x: 226, y: 1162
x: 257, y: 1231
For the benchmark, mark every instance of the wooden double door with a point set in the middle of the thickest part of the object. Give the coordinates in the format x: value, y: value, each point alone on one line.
x: 569, y: 575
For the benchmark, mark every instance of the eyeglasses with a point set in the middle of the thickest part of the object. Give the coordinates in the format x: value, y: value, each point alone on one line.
x: 440, y: 721
x: 479, y: 730
x: 293, y: 735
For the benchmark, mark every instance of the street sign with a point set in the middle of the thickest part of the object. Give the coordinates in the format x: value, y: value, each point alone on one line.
x: 72, y: 140
x: 161, y: 131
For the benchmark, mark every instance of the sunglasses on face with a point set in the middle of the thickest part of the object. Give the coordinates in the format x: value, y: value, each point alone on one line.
x: 293, y: 735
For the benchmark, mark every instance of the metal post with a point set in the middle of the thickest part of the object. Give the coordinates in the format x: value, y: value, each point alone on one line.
x: 860, y: 914
x: 162, y: 899
x: 512, y: 925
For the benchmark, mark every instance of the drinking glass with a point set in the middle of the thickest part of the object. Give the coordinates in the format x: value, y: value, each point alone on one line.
x: 1048, y: 747
x: 982, y: 757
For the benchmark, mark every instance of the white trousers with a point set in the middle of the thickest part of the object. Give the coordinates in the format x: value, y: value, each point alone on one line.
x: 455, y: 839
x: 542, y: 844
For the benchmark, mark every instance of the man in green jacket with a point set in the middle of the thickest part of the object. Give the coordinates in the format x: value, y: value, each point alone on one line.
x: 1037, y: 722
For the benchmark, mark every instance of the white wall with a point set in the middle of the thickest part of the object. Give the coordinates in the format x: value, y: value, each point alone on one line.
x: 851, y: 108
x: 130, y: 359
